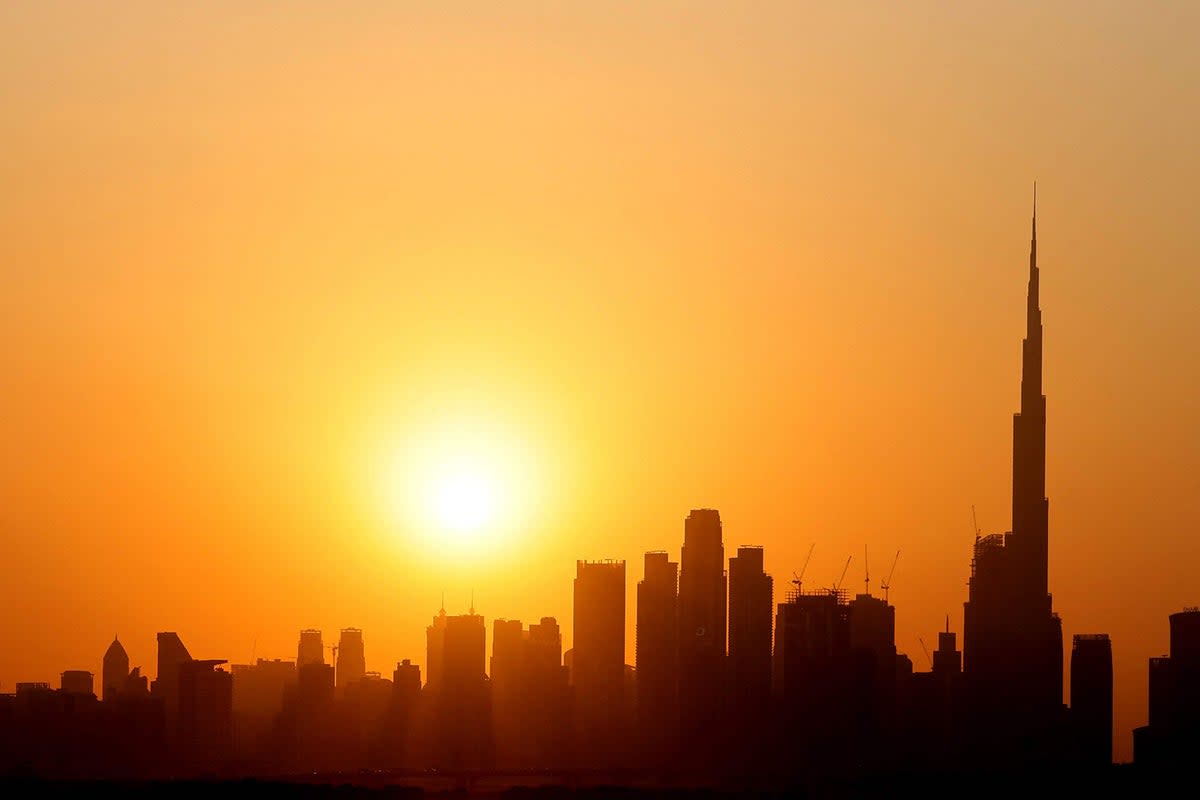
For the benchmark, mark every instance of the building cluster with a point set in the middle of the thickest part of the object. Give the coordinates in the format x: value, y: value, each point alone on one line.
x: 727, y: 676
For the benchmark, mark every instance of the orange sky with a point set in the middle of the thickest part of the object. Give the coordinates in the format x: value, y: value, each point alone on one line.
x: 768, y: 258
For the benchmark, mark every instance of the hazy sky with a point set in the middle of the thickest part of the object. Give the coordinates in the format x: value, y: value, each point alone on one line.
x: 263, y: 260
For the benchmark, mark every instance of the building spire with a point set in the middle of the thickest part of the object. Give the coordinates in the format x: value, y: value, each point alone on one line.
x: 1033, y: 238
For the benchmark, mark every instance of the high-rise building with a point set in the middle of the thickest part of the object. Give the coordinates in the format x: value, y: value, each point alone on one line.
x: 598, y: 669
x: 435, y: 641
x: 1173, y: 733
x: 258, y: 688
x: 205, y: 710
x: 310, y: 650
x: 873, y: 651
x: 76, y: 681
x: 1092, y: 697
x: 172, y: 655
x: 1012, y: 639
x: 462, y: 699
x: 751, y: 602
x: 702, y: 619
x: 657, y: 652
x: 812, y: 666
x: 114, y: 672
x: 528, y: 693
x: 351, y: 660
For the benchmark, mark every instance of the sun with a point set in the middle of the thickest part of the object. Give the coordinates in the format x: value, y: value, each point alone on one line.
x: 460, y: 487
x: 463, y: 499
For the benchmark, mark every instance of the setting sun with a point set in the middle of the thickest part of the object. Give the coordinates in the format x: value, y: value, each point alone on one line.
x: 460, y: 485
x: 462, y: 499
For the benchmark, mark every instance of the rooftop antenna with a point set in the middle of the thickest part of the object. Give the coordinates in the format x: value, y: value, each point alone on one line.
x: 947, y: 623
x: 887, y: 583
x: 797, y: 578
x: 472, y: 609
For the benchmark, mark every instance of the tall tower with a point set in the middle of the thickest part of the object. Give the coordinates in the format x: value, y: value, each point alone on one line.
x: 750, y: 607
x: 310, y: 650
x: 598, y: 669
x: 1012, y: 639
x: 657, y: 649
x: 1030, y: 507
x: 115, y: 671
x: 702, y: 621
x: 351, y: 660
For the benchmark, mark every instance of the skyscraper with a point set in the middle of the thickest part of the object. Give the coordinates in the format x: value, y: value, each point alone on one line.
x: 1012, y: 639
x: 462, y: 697
x: 750, y: 607
x: 1092, y: 697
x: 351, y: 661
x: 1173, y: 732
x: 702, y: 588
x: 115, y: 671
x: 310, y: 650
x: 171, y: 656
x: 657, y: 651
x: 598, y: 667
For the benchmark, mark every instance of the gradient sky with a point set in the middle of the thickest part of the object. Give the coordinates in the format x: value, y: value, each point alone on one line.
x: 765, y: 257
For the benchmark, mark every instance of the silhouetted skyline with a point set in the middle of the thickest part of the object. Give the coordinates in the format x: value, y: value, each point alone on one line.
x: 727, y: 682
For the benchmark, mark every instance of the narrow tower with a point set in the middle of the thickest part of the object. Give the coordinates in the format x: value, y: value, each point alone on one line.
x: 1030, y: 508
x: 1012, y: 639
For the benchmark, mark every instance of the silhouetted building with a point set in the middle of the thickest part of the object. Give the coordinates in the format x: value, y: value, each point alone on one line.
x: 435, y: 640
x: 598, y: 671
x: 929, y: 704
x: 76, y: 681
x: 750, y: 604
x: 171, y: 656
x: 310, y: 650
x: 873, y: 653
x: 462, y: 696
x: 351, y: 660
x: 529, y: 693
x: 1092, y: 697
x: 657, y: 654
x: 114, y: 672
x: 702, y: 619
x: 1173, y: 733
x: 1012, y: 639
x: 258, y: 688
x: 813, y: 673
x: 205, y: 711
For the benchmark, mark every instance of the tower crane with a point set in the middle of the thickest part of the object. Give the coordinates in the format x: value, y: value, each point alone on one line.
x: 928, y: 657
x: 887, y: 583
x: 837, y: 586
x: 866, y: 572
x: 333, y: 648
x: 796, y: 579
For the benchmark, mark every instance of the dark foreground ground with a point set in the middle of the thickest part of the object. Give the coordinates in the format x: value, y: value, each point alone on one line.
x: 1120, y: 781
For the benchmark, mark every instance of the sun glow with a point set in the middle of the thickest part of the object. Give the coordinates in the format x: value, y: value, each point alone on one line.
x: 461, y: 486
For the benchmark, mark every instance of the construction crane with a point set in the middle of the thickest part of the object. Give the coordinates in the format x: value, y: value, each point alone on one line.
x: 333, y: 654
x: 928, y: 657
x: 837, y: 586
x: 796, y: 579
x: 887, y: 583
x: 975, y: 523
x: 866, y: 572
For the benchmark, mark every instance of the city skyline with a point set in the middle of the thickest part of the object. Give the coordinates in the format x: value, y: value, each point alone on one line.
x: 282, y: 289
